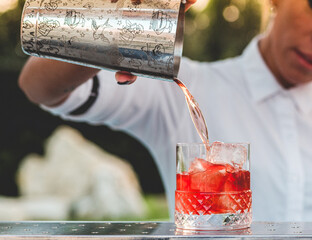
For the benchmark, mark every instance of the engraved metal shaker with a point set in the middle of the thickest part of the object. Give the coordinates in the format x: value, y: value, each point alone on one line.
x: 144, y: 37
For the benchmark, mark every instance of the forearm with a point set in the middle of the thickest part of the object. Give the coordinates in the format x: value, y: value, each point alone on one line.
x: 50, y: 82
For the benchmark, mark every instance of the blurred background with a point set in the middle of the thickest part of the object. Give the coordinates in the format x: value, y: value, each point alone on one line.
x: 215, y: 29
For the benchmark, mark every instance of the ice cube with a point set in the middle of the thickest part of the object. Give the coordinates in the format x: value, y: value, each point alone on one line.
x: 234, y: 154
x: 198, y: 165
x: 207, y: 177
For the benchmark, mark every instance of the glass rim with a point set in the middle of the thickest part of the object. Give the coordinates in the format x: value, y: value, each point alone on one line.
x: 203, y: 144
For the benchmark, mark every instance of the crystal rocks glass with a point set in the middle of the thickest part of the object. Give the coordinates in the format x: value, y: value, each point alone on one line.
x: 213, y: 186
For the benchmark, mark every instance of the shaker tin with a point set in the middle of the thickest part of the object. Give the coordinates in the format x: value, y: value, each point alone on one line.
x: 144, y: 37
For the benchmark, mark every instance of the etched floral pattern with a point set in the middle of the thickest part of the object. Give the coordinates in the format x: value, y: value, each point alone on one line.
x: 131, y: 35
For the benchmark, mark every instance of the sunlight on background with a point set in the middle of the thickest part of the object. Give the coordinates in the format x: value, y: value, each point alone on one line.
x: 231, y: 13
x: 200, y: 5
x: 219, y: 29
x: 6, y: 5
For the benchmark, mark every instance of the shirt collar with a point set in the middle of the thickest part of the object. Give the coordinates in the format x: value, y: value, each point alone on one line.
x: 260, y: 81
x: 263, y: 85
x: 302, y: 95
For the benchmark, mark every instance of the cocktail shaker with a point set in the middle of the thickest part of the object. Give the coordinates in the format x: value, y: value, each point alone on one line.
x: 144, y: 37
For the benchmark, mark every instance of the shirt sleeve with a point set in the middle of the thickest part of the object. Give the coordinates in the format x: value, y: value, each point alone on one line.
x: 75, y: 99
x: 150, y: 110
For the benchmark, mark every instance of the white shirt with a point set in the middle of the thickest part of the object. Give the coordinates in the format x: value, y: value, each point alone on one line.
x: 242, y: 102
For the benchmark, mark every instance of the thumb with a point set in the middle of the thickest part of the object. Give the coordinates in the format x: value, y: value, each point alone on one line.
x: 125, y: 78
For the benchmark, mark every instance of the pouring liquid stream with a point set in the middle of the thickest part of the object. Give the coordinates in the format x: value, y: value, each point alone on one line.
x: 196, y: 114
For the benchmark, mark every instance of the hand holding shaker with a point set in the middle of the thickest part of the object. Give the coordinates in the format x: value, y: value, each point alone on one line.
x: 144, y: 37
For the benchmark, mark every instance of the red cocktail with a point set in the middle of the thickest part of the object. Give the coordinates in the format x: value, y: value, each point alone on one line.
x: 213, y: 186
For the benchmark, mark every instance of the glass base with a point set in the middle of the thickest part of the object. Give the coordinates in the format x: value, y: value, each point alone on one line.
x: 228, y: 221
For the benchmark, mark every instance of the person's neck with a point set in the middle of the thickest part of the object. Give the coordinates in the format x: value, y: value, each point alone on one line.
x: 266, y: 50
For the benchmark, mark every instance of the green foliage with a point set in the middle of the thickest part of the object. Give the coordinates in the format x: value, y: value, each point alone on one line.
x: 11, y: 55
x: 157, y: 210
x: 209, y: 37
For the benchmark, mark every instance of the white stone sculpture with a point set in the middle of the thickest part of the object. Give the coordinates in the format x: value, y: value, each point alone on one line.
x: 92, y: 183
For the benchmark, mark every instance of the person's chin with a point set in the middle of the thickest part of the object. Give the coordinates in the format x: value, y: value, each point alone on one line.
x: 294, y: 74
x: 299, y: 78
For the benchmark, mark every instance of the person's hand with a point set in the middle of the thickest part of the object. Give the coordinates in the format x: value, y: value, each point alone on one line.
x: 126, y: 78
x: 189, y: 3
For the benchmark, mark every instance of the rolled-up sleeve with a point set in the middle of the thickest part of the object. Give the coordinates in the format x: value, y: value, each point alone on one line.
x: 143, y: 108
x: 75, y: 99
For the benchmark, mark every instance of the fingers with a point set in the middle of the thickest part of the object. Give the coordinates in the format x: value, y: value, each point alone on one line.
x: 189, y: 3
x: 125, y: 78
x: 136, y: 2
x: 187, y: 6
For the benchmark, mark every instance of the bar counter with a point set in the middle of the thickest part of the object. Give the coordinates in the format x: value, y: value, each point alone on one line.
x: 146, y: 230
